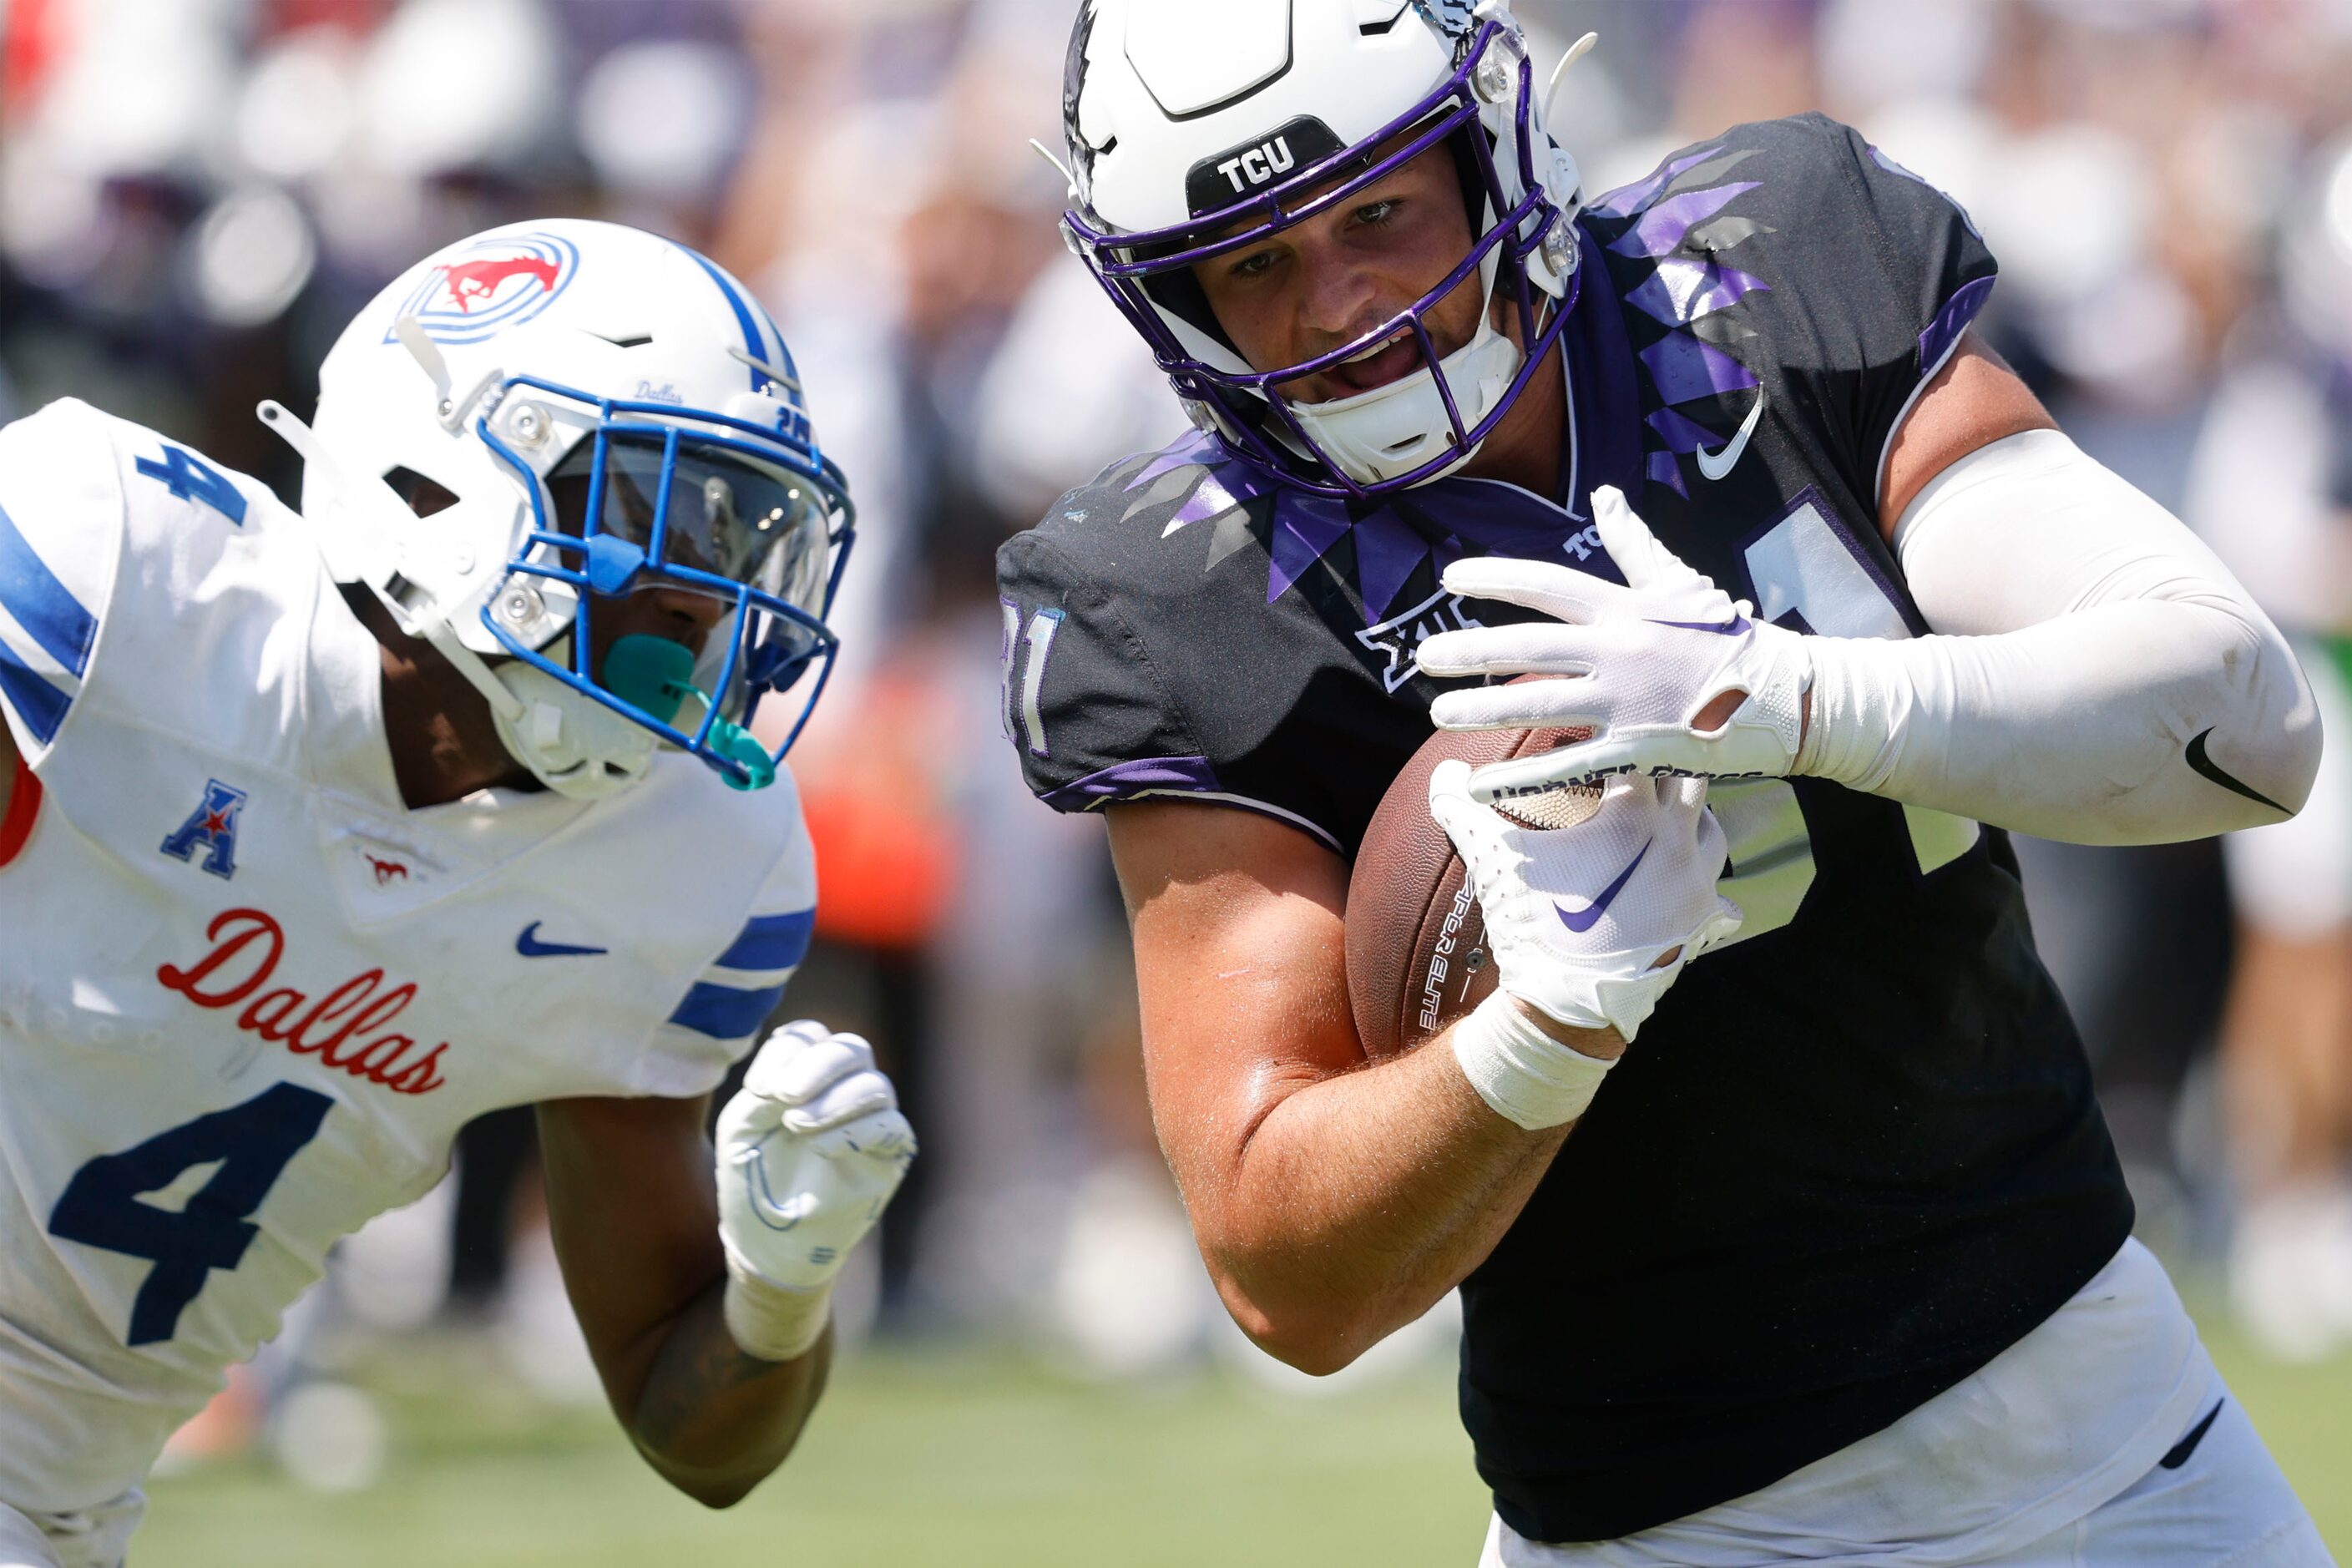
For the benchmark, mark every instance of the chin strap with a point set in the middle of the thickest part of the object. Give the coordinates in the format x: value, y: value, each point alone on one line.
x: 347, y: 562
x: 1395, y: 428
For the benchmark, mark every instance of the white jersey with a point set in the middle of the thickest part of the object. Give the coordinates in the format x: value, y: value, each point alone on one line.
x: 247, y: 997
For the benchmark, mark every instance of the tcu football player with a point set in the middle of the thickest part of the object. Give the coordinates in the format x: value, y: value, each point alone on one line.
x: 326, y: 834
x: 1836, y: 1267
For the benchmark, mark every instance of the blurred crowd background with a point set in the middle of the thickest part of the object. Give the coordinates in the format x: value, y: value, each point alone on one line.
x: 195, y: 194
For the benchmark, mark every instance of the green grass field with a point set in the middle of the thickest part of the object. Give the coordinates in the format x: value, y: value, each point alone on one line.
x: 974, y: 1461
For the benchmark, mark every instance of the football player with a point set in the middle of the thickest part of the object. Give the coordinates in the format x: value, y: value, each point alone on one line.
x: 325, y: 834
x: 1837, y: 1264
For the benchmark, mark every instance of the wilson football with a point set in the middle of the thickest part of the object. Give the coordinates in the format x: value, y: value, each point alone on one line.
x: 1416, y: 952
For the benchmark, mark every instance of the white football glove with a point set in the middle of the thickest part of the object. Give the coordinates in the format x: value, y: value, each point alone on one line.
x: 810, y: 1150
x: 1591, y: 923
x: 1642, y: 662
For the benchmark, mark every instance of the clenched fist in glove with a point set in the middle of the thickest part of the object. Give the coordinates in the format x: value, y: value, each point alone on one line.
x: 810, y: 1150
x: 1588, y: 924
x: 1644, y: 667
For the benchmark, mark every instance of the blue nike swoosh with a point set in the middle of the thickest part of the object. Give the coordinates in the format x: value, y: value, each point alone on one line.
x: 1585, y: 919
x: 530, y: 946
x: 1730, y: 629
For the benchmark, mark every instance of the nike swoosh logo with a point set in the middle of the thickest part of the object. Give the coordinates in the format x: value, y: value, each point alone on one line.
x: 775, y: 1215
x: 2205, y: 766
x: 2187, y: 1446
x: 1716, y: 464
x: 530, y: 946
x: 1585, y: 919
x: 1733, y: 627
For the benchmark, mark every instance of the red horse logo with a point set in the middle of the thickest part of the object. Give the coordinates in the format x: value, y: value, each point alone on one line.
x: 472, y: 283
x: 386, y: 870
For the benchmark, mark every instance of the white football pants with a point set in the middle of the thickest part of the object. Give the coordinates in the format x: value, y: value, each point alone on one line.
x: 2225, y: 1505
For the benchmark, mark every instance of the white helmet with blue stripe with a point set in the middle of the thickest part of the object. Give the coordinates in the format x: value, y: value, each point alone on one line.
x: 561, y: 413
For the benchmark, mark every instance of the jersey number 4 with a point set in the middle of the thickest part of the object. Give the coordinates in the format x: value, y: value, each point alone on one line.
x: 249, y: 1143
x: 1805, y: 569
x: 190, y: 477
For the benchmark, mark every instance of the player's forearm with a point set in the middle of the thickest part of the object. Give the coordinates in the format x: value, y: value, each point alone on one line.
x: 1358, y: 1201
x: 2104, y: 728
x: 2110, y: 682
x: 714, y: 1421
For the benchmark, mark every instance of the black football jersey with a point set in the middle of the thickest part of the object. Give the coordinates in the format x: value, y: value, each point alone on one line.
x: 1854, y: 1155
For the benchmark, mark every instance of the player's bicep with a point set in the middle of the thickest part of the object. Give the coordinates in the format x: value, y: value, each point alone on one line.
x: 1975, y: 400
x: 632, y: 1209
x: 1240, y: 945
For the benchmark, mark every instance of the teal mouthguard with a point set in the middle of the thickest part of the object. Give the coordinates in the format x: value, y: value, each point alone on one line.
x: 737, y: 744
x: 656, y: 676
x: 653, y: 674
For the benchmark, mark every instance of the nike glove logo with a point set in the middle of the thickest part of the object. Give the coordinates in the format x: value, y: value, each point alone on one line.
x: 1584, y: 920
x: 776, y: 1216
x: 1737, y: 626
x: 530, y: 946
x: 1716, y: 464
x: 2205, y: 766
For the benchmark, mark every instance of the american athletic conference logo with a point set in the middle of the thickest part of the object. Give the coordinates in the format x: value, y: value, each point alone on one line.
x: 489, y: 286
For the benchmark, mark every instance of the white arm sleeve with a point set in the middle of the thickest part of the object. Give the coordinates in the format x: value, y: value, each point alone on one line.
x: 2097, y: 676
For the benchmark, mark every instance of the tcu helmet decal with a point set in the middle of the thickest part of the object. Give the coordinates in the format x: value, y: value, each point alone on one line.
x: 496, y: 284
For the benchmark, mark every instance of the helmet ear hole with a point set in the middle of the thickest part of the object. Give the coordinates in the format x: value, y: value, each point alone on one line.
x: 424, y: 497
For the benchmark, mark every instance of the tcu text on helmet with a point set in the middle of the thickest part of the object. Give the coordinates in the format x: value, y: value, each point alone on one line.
x: 1216, y: 180
x: 1259, y: 163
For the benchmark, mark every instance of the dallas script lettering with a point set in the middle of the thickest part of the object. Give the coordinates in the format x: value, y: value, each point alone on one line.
x: 246, y: 946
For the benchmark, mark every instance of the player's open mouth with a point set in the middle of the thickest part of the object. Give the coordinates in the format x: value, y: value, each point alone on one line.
x: 1377, y: 367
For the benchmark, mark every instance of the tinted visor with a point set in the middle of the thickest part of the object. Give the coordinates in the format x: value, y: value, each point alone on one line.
x: 728, y: 515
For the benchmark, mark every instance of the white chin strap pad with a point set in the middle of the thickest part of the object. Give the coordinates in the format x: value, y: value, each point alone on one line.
x: 1395, y: 429
x: 1391, y: 430
x: 574, y: 744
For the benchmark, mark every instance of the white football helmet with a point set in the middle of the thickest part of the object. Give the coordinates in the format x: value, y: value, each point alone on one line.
x: 1201, y: 126
x: 599, y: 412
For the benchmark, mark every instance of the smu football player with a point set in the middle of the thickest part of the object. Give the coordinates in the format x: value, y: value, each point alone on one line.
x: 326, y: 833
x: 1837, y: 1264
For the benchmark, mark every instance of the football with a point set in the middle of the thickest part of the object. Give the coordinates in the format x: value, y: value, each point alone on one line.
x: 1416, y: 941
